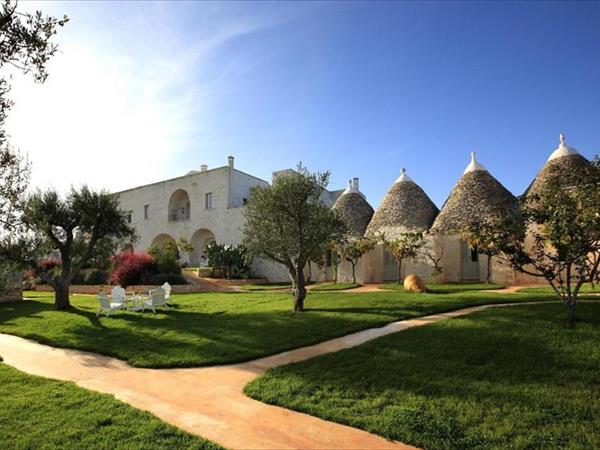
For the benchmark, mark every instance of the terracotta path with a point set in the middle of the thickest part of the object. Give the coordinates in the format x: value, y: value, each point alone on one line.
x: 210, y: 401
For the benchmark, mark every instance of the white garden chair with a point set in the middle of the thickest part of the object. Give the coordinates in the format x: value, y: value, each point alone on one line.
x: 167, y: 288
x: 157, y: 298
x: 118, y: 295
x: 106, y: 305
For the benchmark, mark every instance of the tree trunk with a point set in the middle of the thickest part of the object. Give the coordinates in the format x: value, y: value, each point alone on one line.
x: 61, y: 296
x: 335, y: 273
x: 489, y: 269
x: 299, y: 290
x: 571, y: 313
x: 354, y: 273
x: 399, y: 271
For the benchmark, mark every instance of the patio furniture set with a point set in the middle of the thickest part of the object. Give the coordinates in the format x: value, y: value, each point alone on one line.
x: 119, y: 300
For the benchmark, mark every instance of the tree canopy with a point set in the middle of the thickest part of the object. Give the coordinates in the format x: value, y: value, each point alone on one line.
x: 555, y: 234
x: 83, y: 226
x: 287, y: 222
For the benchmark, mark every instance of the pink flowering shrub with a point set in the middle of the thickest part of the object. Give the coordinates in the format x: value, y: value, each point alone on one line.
x: 130, y: 268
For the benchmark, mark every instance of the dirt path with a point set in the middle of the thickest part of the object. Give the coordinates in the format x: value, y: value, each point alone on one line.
x: 210, y: 401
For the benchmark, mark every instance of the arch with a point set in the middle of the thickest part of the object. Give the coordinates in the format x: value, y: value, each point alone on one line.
x: 199, y: 240
x: 179, y: 206
x: 162, y: 238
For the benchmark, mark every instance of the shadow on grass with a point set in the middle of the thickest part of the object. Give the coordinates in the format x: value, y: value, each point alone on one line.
x: 499, y: 378
x: 205, y: 330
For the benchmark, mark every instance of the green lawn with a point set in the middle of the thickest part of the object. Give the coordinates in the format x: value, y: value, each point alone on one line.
x: 218, y: 328
x: 445, y: 288
x: 38, y: 413
x: 585, y: 289
x: 266, y: 286
x: 335, y: 287
x: 513, y: 377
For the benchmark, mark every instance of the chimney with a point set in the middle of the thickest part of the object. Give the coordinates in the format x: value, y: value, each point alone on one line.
x: 230, y: 162
x: 203, y: 168
x: 355, y: 183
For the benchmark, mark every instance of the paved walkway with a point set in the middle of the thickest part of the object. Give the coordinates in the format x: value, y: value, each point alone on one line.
x: 210, y: 401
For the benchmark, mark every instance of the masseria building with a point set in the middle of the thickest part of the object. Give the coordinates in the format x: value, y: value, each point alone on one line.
x: 207, y: 205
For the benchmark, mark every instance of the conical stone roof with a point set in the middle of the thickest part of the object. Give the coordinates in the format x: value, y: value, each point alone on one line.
x: 353, y: 208
x: 405, y: 207
x: 562, y: 163
x: 476, y: 195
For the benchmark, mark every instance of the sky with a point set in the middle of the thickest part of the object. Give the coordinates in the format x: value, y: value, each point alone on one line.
x: 141, y: 92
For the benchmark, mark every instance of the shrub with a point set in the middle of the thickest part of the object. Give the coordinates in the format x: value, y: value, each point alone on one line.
x: 129, y: 268
x: 161, y: 278
x: 231, y: 261
x: 96, y: 276
x: 46, y: 269
x: 166, y: 257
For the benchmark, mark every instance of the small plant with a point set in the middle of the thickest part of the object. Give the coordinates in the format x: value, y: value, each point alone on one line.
x: 353, y: 250
x: 166, y: 257
x: 433, y: 253
x: 406, y: 246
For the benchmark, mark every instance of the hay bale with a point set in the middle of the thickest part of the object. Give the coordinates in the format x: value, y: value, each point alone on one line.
x: 414, y: 283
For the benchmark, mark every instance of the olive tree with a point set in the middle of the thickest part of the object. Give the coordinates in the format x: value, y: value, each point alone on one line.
x: 287, y: 222
x: 405, y: 246
x: 555, y: 235
x: 82, y: 226
x: 432, y: 253
x: 354, y: 249
x: 482, y: 235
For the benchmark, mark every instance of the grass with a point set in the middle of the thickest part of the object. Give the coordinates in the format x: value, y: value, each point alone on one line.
x: 504, y: 378
x: 335, y: 287
x: 266, y: 286
x: 445, y: 288
x: 38, y: 413
x: 218, y: 328
x: 585, y: 289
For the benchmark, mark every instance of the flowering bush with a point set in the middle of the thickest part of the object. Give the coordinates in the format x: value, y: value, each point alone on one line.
x: 129, y: 268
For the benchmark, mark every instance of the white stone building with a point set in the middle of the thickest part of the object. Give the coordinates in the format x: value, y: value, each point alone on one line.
x: 201, y: 206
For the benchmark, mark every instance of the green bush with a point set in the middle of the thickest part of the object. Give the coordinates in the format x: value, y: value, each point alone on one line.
x: 166, y: 258
x: 228, y: 261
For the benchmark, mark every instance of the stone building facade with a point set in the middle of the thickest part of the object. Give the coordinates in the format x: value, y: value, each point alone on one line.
x: 207, y: 205
x: 201, y: 206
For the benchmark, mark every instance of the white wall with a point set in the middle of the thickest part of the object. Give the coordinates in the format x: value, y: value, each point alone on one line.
x: 223, y: 221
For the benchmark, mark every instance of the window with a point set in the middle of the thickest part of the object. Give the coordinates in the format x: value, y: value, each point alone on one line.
x: 208, y: 200
x: 146, y: 212
x: 128, y: 215
x: 474, y: 254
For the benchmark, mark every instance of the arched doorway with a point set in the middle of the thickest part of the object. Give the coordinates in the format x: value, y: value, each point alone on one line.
x: 179, y: 206
x: 199, y: 241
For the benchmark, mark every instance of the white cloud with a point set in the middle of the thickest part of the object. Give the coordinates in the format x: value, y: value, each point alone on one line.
x: 121, y: 100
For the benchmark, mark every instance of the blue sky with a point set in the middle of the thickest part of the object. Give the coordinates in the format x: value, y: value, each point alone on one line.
x: 146, y: 91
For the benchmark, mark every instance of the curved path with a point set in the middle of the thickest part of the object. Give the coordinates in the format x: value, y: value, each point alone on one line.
x: 210, y: 401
